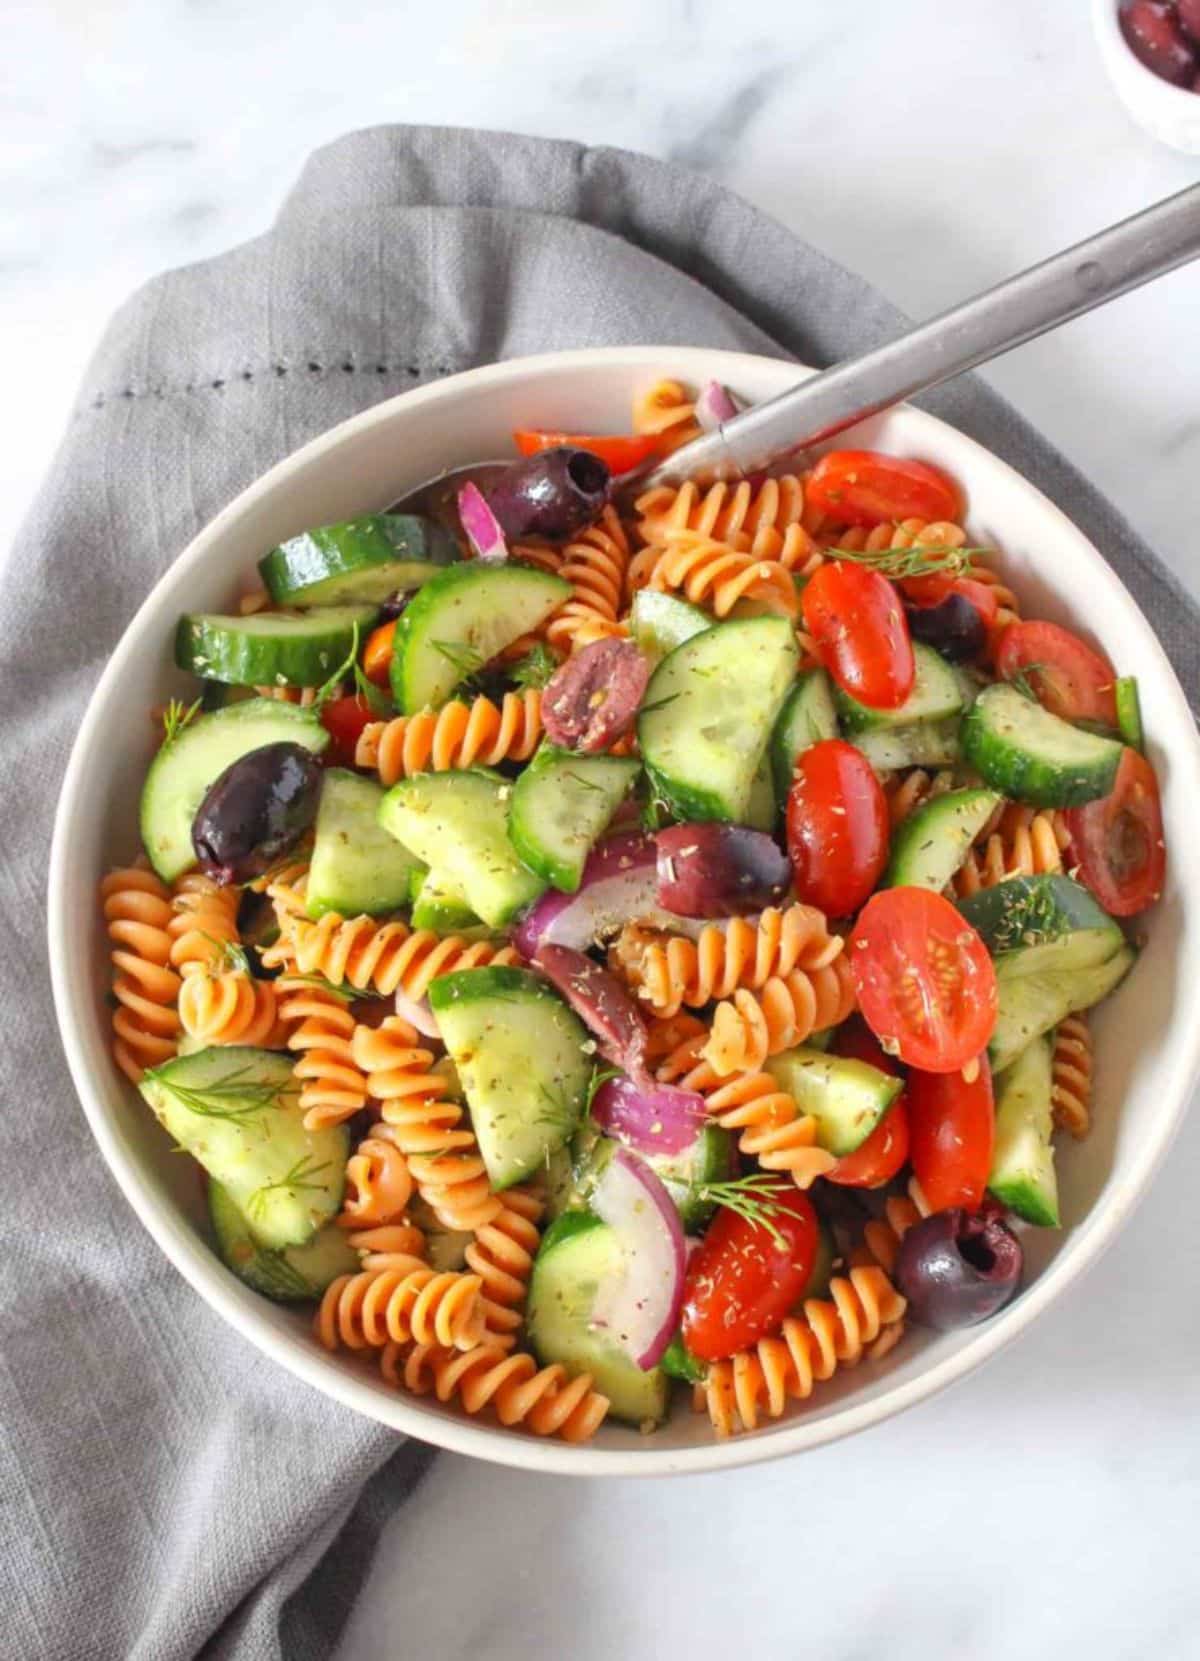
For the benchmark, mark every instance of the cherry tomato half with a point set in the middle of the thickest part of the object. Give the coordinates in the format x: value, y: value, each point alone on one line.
x: 952, y: 1126
x: 837, y: 827
x: 926, y: 985
x: 377, y: 656
x: 863, y: 487
x: 1118, y: 842
x: 857, y: 623
x: 621, y: 451
x: 885, y: 1151
x: 344, y: 720
x: 742, y: 1281
x: 1068, y: 677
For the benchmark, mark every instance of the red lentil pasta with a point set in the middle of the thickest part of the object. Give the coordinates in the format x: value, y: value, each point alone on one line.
x: 494, y: 902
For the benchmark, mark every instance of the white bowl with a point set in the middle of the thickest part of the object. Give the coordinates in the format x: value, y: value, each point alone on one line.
x: 1148, y: 1035
x: 1168, y: 113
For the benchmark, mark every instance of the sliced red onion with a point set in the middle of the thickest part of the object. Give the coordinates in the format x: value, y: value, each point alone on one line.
x: 619, y: 886
x: 653, y: 1118
x: 417, y: 1013
x: 480, y: 523
x: 600, y: 1001
x: 639, y: 1306
x: 714, y: 405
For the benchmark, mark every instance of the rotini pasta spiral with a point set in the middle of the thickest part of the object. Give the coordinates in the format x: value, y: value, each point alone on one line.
x: 726, y: 510
x: 379, y: 1245
x: 830, y: 1332
x: 543, y: 1400
x: 665, y: 409
x: 480, y: 733
x: 502, y: 1255
x: 1071, y: 1089
x: 897, y: 534
x: 203, y: 923
x: 750, y: 1026
x: 1025, y: 842
x: 288, y: 889
x: 908, y: 791
x: 670, y: 970
x: 1010, y: 608
x: 379, y: 1186
x: 441, y: 1152
x: 882, y: 1235
x: 595, y: 564
x: 137, y: 912
x: 378, y: 957
x: 230, y: 1008
x: 403, y: 1302
x: 715, y: 575
x: 320, y: 1026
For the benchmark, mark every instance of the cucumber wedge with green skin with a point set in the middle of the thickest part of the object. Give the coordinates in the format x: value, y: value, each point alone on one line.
x: 524, y: 1060
x: 577, y: 1255
x: 937, y: 695
x: 679, y: 1362
x: 659, y: 622
x: 237, y: 1111
x: 1022, y: 1175
x: 847, y: 1098
x: 296, y: 1274
x: 1041, y: 925
x: 1031, y: 1005
x: 460, y: 620
x: 457, y: 824
x: 361, y: 559
x: 808, y: 717
x: 438, y: 905
x: 931, y: 844
x: 267, y: 649
x: 761, y: 811
x: 1129, y: 713
x: 1023, y: 751
x: 561, y: 805
x: 356, y: 867
x: 710, y: 1158
x: 708, y: 713
x: 928, y: 744
x: 182, y: 771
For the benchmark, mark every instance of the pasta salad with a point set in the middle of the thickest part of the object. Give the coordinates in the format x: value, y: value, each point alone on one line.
x: 603, y: 948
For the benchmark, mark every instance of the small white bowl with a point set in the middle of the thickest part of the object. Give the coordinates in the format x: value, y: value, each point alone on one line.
x: 1148, y: 1035
x: 1168, y: 113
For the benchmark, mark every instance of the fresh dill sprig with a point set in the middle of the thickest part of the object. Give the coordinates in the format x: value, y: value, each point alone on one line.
x: 536, y: 668
x: 231, y: 956
x: 176, y: 717
x: 371, y: 695
x: 600, y: 1076
x: 918, y: 561
x: 584, y: 784
x: 467, y: 659
x: 301, y: 1179
x: 1022, y: 682
x: 347, y: 994
x: 661, y: 703
x: 752, y: 1197
x: 236, y: 1097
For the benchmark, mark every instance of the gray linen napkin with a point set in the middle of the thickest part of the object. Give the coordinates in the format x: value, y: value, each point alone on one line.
x: 164, y: 1490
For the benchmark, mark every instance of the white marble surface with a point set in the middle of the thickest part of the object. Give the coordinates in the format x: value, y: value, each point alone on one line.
x: 1048, y: 1506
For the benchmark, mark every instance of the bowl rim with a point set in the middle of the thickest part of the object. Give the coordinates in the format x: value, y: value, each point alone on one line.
x: 1182, y: 100
x: 242, y: 1309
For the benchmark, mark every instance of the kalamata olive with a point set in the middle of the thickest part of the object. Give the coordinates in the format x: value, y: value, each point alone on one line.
x: 555, y: 494
x: 1152, y: 33
x: 261, y: 806
x: 592, y: 699
x: 1189, y: 19
x: 952, y: 627
x: 958, y: 1267
x: 717, y: 870
x: 393, y: 606
x: 600, y: 1001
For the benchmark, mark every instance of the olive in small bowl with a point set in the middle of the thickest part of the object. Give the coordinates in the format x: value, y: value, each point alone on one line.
x: 258, y: 808
x: 958, y: 1267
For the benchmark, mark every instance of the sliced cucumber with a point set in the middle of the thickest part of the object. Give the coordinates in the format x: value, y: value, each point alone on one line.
x: 561, y: 805
x: 237, y: 1111
x: 932, y: 843
x: 267, y: 649
x: 1023, y: 1175
x: 362, y: 559
x: 1031, y: 1004
x: 356, y: 867
x: 1129, y: 713
x: 760, y: 809
x: 293, y: 1275
x: 1040, y: 924
x: 847, y: 1098
x: 438, y: 905
x: 808, y: 716
x: 524, y: 1059
x: 679, y: 1362
x: 937, y: 695
x: 578, y: 1253
x: 460, y: 620
x: 1023, y: 751
x: 933, y: 744
x: 659, y: 622
x: 558, y: 1183
x: 685, y: 1176
x: 182, y: 771
x: 708, y: 713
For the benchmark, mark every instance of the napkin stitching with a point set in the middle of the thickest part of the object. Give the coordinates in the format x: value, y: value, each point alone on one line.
x: 218, y: 383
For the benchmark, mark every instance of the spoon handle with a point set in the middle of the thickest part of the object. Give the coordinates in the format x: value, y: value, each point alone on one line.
x: 1064, y: 286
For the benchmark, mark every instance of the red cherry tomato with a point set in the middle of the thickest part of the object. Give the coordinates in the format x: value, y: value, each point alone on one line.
x: 620, y: 451
x: 953, y: 1130
x: 885, y: 1151
x: 344, y: 720
x: 1118, y: 842
x: 863, y: 487
x: 931, y: 591
x: 741, y: 1281
x: 837, y: 827
x: 926, y: 985
x: 860, y: 632
x: 1069, y: 678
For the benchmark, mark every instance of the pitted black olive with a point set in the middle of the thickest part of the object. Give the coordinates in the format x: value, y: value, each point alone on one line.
x: 953, y: 627
x: 261, y: 806
x: 958, y: 1267
x: 555, y: 494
